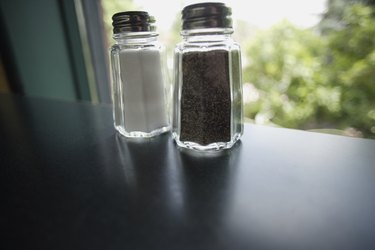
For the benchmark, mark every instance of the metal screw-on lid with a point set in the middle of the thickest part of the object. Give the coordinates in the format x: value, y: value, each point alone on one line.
x: 206, y: 15
x: 133, y: 21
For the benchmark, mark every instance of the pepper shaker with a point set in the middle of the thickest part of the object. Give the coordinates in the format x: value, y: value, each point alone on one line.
x: 138, y: 79
x: 207, y: 99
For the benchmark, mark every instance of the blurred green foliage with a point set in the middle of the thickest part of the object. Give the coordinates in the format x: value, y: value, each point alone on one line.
x: 283, y: 62
x: 351, y: 53
x: 303, y: 79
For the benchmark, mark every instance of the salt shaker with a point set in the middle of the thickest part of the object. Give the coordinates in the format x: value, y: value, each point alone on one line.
x: 207, y: 99
x: 138, y: 80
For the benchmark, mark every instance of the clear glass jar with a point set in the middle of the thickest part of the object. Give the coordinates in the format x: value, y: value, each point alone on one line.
x: 207, y: 101
x: 139, y: 92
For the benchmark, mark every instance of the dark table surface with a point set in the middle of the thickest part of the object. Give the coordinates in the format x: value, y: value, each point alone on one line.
x: 70, y: 182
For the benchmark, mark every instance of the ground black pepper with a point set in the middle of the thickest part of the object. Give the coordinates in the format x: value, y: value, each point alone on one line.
x: 205, y: 97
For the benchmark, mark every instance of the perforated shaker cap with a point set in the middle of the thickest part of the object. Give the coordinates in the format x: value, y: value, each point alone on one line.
x: 206, y: 15
x: 133, y: 21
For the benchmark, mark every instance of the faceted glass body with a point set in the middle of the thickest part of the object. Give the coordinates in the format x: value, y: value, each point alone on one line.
x: 139, y: 93
x: 207, y: 101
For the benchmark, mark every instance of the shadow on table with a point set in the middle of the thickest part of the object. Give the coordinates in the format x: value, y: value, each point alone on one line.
x: 208, y: 183
x: 182, y: 196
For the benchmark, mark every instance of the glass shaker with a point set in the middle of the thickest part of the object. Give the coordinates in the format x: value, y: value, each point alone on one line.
x: 138, y: 80
x: 207, y: 101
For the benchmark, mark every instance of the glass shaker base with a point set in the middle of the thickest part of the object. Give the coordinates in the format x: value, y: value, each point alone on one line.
x: 139, y: 134
x: 210, y: 147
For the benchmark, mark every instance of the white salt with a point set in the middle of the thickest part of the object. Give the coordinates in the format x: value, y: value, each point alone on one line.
x: 142, y: 90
